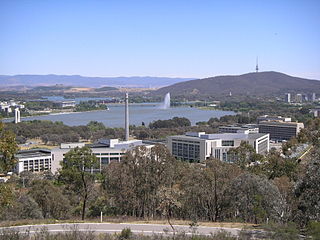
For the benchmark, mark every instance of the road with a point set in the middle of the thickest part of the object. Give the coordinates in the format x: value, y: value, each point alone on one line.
x: 145, y: 229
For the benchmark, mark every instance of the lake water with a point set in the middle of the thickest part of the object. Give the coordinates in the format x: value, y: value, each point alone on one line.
x: 77, y: 100
x: 138, y: 113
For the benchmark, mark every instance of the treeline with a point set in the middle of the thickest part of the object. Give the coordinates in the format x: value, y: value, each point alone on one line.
x: 56, y: 132
x: 170, y: 123
x: 89, y: 106
x: 256, y: 107
x: 40, y: 105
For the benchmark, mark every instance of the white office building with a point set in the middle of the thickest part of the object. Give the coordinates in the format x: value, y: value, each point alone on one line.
x: 34, y: 160
x: 107, y: 151
x: 199, y: 146
x: 287, y: 98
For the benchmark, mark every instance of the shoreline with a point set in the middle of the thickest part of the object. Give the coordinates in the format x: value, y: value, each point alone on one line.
x: 51, y: 114
x: 114, y: 118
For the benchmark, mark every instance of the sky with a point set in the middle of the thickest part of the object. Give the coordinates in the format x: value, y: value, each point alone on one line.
x: 168, y: 38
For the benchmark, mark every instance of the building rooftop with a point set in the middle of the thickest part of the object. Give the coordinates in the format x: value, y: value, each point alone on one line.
x: 223, y: 136
x: 107, y: 143
x: 280, y: 123
x: 33, y: 153
x: 247, y: 126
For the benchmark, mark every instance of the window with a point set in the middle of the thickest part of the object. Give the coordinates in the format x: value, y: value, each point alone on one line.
x: 104, y: 160
x: 224, y: 157
x: 227, y: 143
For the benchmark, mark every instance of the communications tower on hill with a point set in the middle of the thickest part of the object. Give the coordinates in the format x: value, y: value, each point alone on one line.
x: 257, y: 65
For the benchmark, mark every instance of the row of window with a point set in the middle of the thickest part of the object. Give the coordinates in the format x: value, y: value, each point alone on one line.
x: 186, y: 151
x: 37, y: 165
x: 112, y: 154
x: 107, y: 160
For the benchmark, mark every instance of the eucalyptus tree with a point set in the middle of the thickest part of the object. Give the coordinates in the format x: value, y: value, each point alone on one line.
x: 133, y: 183
x: 77, y: 173
x: 8, y: 149
x: 308, y: 192
x: 204, y: 186
x: 254, y: 199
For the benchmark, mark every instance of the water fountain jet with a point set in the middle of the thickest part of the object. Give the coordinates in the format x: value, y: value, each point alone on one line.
x: 166, y: 102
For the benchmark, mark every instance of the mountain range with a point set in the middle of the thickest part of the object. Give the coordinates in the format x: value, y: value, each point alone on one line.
x: 81, y: 81
x: 255, y: 84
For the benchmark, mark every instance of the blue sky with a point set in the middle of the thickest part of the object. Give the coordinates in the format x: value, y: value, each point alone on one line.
x: 159, y: 38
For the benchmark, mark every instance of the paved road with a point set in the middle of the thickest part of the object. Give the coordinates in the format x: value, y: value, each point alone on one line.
x: 146, y: 229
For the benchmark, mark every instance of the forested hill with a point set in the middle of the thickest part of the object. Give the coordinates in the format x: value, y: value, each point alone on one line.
x: 259, y: 84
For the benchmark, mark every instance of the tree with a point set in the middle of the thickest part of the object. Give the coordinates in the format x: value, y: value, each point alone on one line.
x: 308, y: 192
x: 6, y: 197
x: 169, y: 201
x: 170, y: 123
x: 77, y: 173
x: 50, y: 199
x: 95, y: 126
x: 8, y: 149
x: 133, y: 183
x: 24, y: 207
x: 254, y: 199
x: 204, y: 187
x: 275, y: 166
x: 244, y: 155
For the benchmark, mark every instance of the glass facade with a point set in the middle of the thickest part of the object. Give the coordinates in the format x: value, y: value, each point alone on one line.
x: 186, y: 151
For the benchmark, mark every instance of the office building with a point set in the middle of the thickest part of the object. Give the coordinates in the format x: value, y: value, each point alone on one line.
x: 34, y: 160
x: 299, y: 98
x: 199, y: 146
x: 280, y: 130
x: 313, y: 97
x: 315, y: 112
x: 247, y: 128
x: 272, y: 118
x: 288, y: 98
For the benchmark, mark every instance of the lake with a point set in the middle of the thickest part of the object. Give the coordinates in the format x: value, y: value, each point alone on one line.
x: 138, y: 113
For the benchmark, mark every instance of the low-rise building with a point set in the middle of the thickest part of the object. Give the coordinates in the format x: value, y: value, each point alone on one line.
x: 199, y: 146
x: 34, y: 160
x: 66, y: 104
x: 8, y: 106
x: 106, y: 150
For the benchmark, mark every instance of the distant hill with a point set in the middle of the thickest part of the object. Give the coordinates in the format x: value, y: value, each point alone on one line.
x: 76, y: 80
x: 258, y: 84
